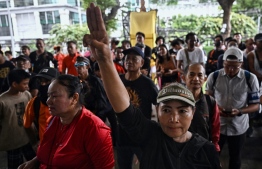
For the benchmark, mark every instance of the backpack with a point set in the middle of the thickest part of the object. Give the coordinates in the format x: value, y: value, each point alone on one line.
x: 247, y: 75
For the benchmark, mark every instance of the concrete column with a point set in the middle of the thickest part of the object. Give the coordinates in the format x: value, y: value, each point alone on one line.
x: 12, y: 4
x: 15, y: 28
x: 64, y: 16
x: 35, y: 2
x: 38, y: 25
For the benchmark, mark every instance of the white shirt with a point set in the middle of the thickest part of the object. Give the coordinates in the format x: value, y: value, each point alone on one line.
x: 195, y: 56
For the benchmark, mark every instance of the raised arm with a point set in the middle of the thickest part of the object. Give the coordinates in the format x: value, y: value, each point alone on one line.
x: 99, y: 43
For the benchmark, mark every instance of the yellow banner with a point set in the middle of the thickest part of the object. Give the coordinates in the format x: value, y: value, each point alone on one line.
x: 143, y: 22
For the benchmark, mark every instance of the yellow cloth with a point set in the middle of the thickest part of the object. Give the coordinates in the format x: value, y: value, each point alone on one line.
x: 143, y: 22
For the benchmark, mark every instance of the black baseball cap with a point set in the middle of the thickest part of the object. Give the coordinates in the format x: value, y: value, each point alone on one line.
x: 135, y: 50
x: 23, y: 57
x: 48, y: 73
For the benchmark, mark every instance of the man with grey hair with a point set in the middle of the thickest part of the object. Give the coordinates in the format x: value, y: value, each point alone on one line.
x: 237, y: 94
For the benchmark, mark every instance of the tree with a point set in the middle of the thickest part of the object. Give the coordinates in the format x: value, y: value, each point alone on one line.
x: 252, y: 6
x: 164, y: 2
x: 226, y: 5
x: 206, y: 26
x: 109, y: 10
x: 62, y: 34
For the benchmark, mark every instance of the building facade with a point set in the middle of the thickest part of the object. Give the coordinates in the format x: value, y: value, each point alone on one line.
x: 32, y: 19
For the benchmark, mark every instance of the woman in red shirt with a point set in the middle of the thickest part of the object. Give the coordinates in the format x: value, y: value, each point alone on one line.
x: 74, y: 138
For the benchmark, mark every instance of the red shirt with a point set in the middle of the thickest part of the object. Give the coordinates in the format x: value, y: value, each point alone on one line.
x: 85, y: 143
x: 69, y: 63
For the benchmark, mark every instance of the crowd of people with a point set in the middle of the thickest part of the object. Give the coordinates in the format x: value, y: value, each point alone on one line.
x: 54, y: 108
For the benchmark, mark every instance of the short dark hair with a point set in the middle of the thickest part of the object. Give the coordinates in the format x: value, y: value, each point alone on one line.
x: 72, y: 85
x: 231, y: 40
x: 219, y: 36
x: 25, y: 47
x: 158, y: 38
x: 140, y: 33
x: 39, y: 39
x: 189, y: 34
x: 8, y: 52
x: 175, y: 42
x: 17, y: 75
x: 1, y: 52
x: 236, y: 33
x: 187, y: 68
x: 71, y: 41
x: 126, y: 41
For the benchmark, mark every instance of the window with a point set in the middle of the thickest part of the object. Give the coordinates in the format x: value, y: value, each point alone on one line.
x: 43, y: 2
x: 24, y: 3
x: 48, y: 19
x: 4, y: 26
x: 83, y: 18
x: 72, y: 2
x: 73, y: 17
x: 3, y: 4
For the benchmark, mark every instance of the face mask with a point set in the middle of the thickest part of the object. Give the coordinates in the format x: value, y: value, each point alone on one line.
x: 217, y: 44
x: 43, y: 93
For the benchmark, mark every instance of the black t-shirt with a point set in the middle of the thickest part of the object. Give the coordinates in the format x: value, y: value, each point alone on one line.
x: 41, y: 61
x: 161, y: 151
x: 212, y: 60
x: 147, y: 57
x: 143, y: 93
x: 4, y: 70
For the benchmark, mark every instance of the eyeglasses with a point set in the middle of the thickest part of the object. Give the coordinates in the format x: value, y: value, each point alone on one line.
x: 231, y: 67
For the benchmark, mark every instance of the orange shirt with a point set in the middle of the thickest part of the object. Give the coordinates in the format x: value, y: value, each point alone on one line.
x: 29, y: 117
x: 59, y: 57
x: 69, y: 63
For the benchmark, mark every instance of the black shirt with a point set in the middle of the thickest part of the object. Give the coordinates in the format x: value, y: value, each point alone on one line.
x: 41, y: 61
x: 4, y: 70
x: 161, y: 151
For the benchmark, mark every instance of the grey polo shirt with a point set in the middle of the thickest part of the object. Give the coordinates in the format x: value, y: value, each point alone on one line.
x: 233, y: 93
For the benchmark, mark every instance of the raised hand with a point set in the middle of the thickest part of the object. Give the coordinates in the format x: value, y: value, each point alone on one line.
x: 98, y: 38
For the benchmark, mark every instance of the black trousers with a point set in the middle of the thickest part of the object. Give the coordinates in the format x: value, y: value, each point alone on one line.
x: 235, y: 146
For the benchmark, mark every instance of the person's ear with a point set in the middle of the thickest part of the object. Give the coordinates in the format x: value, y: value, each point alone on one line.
x: 142, y: 62
x: 205, y: 79
x: 14, y: 84
x: 75, y: 98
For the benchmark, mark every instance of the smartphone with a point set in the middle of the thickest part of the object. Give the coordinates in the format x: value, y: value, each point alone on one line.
x: 227, y: 111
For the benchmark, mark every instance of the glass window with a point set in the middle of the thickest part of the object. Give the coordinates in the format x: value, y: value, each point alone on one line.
x: 50, y: 19
x: 42, y: 18
x: 43, y: 2
x: 73, y: 17
x: 3, y: 21
x: 72, y: 2
x: 83, y: 18
x: 3, y: 4
x: 57, y: 17
x: 24, y: 3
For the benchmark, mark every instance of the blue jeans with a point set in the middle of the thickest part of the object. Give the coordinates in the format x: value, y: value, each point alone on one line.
x: 125, y: 155
x: 235, y: 146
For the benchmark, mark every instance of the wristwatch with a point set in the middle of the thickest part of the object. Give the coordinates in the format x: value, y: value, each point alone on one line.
x: 240, y: 112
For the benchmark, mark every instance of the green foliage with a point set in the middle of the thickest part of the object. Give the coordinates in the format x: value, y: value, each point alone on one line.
x: 111, y: 6
x: 245, y: 5
x: 207, y: 27
x: 166, y: 2
x: 61, y: 34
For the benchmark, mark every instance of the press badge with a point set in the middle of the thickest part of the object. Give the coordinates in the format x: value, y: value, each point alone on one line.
x: 253, y: 97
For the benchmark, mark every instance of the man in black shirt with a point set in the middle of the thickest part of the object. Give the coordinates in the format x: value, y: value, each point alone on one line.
x: 41, y: 58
